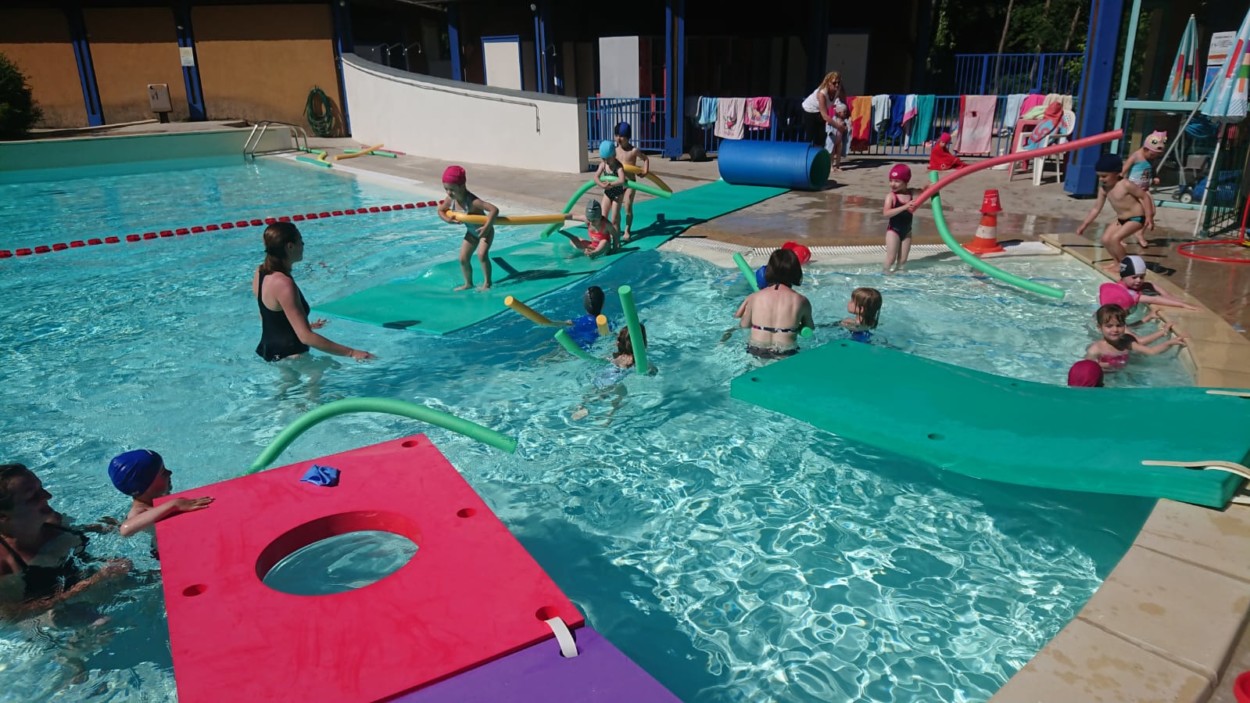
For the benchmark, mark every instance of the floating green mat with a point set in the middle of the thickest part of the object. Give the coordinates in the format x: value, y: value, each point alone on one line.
x: 532, y: 269
x: 1002, y: 429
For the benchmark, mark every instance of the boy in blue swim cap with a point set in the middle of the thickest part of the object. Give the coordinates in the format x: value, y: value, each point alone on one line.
x: 141, y: 474
x: 1134, y: 209
x: 630, y: 155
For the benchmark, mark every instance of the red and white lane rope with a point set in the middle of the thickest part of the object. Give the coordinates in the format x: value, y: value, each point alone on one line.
x: 198, y: 229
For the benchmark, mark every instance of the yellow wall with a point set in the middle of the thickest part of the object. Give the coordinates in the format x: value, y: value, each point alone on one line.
x: 259, y: 62
x: 132, y: 47
x: 38, y: 42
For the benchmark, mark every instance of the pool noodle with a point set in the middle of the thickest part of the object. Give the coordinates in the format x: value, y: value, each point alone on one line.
x: 630, y: 168
x: 568, y: 207
x: 746, y: 270
x: 389, y: 406
x: 940, y: 221
x: 356, y: 152
x: 635, y: 329
x: 503, y: 220
x: 571, y: 347
x: 602, y: 323
x: 529, y: 313
x: 314, y: 162
x: 1015, y: 156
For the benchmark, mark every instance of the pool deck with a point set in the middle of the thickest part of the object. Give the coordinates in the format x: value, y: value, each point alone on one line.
x: 1169, y: 623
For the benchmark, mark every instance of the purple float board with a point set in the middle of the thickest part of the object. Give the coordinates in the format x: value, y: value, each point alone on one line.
x: 600, y: 673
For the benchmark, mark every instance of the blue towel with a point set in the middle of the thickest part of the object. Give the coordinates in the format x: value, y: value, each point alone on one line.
x: 322, y: 476
x: 707, y: 111
x: 898, y: 105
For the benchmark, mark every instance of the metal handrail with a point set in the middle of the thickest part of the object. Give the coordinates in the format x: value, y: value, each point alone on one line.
x: 258, y: 132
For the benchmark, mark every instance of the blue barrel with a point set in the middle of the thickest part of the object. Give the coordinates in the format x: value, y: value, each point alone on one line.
x: 779, y: 164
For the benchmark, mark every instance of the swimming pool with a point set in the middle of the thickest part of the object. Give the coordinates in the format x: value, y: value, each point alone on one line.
x: 735, y: 554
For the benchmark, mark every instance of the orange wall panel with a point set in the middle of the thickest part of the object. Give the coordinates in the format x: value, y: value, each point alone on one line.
x: 38, y: 42
x: 259, y: 62
x: 132, y: 47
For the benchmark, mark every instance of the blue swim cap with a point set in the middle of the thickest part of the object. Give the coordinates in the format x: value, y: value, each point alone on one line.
x: 760, y: 281
x: 623, y: 130
x: 607, y: 149
x: 134, y: 471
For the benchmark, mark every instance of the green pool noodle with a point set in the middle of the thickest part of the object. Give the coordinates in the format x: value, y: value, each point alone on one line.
x: 314, y: 162
x: 571, y: 347
x: 635, y: 330
x: 940, y: 221
x: 746, y: 270
x: 389, y: 406
x: 568, y: 207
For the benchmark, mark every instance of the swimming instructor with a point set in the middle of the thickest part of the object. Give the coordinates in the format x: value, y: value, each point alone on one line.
x: 285, y: 331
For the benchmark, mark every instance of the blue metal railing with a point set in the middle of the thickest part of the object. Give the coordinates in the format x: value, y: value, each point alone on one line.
x: 1004, y: 74
x: 644, y: 115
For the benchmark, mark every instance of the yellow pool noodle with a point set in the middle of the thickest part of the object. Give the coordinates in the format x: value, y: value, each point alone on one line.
x: 529, y: 313
x: 630, y: 168
x: 602, y: 321
x: 362, y: 152
x: 501, y: 220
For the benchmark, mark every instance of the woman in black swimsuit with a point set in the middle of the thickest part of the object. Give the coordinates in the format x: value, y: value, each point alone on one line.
x: 42, y: 562
x: 284, y: 327
x: 776, y: 313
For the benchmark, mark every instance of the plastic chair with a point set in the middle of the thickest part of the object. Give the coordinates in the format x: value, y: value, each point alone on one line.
x: 1062, y: 133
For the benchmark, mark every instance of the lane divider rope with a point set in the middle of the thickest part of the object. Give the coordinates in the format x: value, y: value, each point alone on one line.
x: 198, y: 229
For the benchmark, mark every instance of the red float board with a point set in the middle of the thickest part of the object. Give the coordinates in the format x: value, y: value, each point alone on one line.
x: 469, y: 595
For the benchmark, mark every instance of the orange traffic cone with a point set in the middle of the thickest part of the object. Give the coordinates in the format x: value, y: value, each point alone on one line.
x: 986, y: 241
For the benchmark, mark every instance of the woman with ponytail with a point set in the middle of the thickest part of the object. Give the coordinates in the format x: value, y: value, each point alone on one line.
x: 285, y: 330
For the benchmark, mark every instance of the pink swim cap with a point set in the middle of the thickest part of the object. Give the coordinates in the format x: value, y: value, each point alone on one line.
x: 1085, y: 374
x: 900, y: 172
x: 804, y: 254
x: 945, y: 138
x: 454, y: 174
x: 1115, y: 294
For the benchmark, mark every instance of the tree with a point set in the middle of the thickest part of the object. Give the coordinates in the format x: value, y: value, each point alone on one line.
x: 18, y: 111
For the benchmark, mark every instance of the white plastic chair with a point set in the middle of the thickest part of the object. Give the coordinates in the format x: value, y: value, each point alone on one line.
x: 1060, y: 136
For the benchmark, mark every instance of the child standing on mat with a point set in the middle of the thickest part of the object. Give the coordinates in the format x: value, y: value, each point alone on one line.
x: 604, y: 237
x: 477, y: 237
x: 1133, y: 207
x: 630, y: 155
x: 613, y: 192
x: 898, y: 231
x: 1140, y: 167
x: 1112, y: 351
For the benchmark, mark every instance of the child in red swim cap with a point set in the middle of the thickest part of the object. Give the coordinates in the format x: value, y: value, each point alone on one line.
x: 477, y: 237
x: 898, y: 231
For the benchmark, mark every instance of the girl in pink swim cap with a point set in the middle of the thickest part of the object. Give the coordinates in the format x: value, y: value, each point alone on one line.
x: 898, y: 231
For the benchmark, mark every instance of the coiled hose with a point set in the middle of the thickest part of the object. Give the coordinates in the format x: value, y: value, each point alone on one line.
x: 319, y: 111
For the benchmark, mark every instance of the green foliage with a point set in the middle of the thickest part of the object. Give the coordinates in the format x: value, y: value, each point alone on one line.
x: 18, y: 111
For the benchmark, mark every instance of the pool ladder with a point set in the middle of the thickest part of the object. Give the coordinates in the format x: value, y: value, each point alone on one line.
x: 258, y: 132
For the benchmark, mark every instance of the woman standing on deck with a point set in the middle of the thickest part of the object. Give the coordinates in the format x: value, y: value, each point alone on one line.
x: 819, y: 107
x: 285, y: 331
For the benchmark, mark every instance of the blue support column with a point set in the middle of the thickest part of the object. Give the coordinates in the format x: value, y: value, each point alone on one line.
x: 86, y: 69
x: 341, y: 14
x: 551, y: 60
x: 190, y: 74
x: 817, y: 40
x: 674, y: 78
x: 453, y: 39
x: 540, y: 48
x: 1094, y: 96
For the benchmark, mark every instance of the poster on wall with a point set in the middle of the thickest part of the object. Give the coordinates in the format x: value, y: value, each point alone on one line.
x: 1217, y: 54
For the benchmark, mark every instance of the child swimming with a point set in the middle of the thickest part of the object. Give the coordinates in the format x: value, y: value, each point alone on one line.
x: 141, y: 474
x: 1112, y: 351
x: 865, y: 306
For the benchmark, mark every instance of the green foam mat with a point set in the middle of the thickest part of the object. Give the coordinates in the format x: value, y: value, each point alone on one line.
x: 1008, y: 430
x: 531, y: 269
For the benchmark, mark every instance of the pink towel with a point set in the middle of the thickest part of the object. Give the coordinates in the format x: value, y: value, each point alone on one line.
x: 976, y: 124
x: 759, y: 112
x: 729, y: 117
x: 1030, y: 101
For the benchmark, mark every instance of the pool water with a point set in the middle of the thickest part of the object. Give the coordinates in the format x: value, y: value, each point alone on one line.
x: 736, y: 554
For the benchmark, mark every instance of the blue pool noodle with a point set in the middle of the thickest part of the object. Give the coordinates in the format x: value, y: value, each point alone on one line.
x: 778, y: 164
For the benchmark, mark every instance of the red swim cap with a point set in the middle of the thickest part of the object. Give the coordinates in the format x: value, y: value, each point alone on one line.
x: 804, y: 254
x: 454, y: 174
x: 1085, y: 373
x: 900, y: 172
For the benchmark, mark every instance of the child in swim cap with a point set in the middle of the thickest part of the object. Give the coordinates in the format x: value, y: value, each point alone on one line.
x: 898, y: 231
x: 1132, y: 289
x: 1140, y: 166
x: 1085, y: 374
x: 478, y: 237
x: 630, y: 154
x: 1112, y: 351
x: 585, y: 329
x: 604, y: 236
x: 141, y: 474
x: 614, y: 189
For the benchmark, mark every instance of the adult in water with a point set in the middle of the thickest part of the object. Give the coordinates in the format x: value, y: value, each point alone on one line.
x: 285, y: 331
x: 776, y: 313
x: 42, y: 561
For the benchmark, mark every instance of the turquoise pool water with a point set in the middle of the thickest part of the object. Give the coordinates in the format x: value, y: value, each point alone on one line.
x: 735, y: 554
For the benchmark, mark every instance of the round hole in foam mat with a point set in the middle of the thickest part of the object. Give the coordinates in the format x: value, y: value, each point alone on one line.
x: 338, y: 553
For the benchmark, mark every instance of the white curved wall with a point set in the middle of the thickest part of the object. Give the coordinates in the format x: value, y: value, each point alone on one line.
x: 454, y: 121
